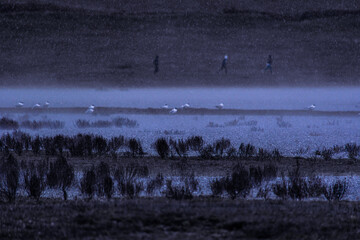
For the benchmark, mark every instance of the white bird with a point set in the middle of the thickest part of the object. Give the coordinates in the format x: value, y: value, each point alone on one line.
x: 19, y: 105
x: 165, y: 106
x: 46, y: 105
x: 90, y: 109
x: 36, y: 106
x: 220, y: 106
x: 312, y: 107
x: 173, y: 111
x: 186, y: 105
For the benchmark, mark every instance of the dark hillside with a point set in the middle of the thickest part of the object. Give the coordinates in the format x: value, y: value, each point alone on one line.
x: 75, y: 44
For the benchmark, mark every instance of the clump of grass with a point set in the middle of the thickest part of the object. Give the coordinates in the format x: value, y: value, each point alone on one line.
x: 117, y: 122
x: 177, y: 192
x: 9, y: 179
x: 124, y: 122
x: 35, y: 125
x: 336, y: 191
x: 6, y: 123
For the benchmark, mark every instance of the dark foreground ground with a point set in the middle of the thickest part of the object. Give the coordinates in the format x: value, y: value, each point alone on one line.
x: 165, y: 219
x: 113, y: 43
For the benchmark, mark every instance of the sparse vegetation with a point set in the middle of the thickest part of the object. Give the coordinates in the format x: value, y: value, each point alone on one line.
x: 117, y: 122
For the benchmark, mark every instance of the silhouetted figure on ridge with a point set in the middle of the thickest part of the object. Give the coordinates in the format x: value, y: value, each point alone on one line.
x: 156, y: 64
x: 268, y: 64
x: 223, y: 64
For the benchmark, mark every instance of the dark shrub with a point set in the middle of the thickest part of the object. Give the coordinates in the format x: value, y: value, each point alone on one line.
x: 180, y: 147
x: 135, y: 147
x: 116, y: 142
x: 155, y: 184
x: 221, y: 146
x: 280, y: 189
x: 18, y: 148
x: 336, y: 191
x: 207, y: 152
x: 270, y: 171
x: 239, y: 183
x: 9, y: 141
x: 231, y: 152
x: 100, y: 145
x: 9, y: 179
x: 81, y: 145
x: 36, y: 145
x: 191, y: 182
x: 6, y: 123
x: 315, y: 187
x: 162, y: 148
x: 26, y: 140
x: 297, y: 187
x: 195, y: 143
x: 59, y: 143
x: 61, y: 175
x: 34, y: 179
x: 256, y: 175
x: 33, y: 185
x: 88, y: 183
x: 126, y: 180
x: 102, y: 173
x: 47, y: 143
x: 108, y: 187
x: 326, y: 154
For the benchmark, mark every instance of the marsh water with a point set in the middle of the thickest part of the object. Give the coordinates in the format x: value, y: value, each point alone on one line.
x: 289, y: 133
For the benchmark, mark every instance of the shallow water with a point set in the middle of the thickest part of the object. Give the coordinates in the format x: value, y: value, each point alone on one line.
x: 290, y: 134
x: 332, y: 99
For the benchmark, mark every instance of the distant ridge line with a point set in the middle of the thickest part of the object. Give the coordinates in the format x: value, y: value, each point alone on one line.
x: 55, y: 8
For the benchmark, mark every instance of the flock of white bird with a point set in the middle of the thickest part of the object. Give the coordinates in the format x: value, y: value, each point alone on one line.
x: 187, y: 105
x: 36, y: 106
x: 91, y: 108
